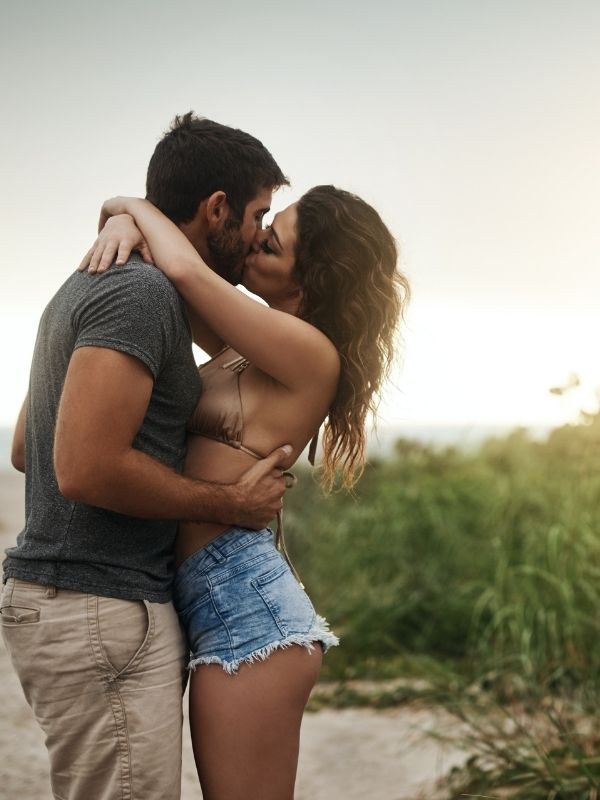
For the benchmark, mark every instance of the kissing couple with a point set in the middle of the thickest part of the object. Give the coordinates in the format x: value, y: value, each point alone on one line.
x: 150, y: 481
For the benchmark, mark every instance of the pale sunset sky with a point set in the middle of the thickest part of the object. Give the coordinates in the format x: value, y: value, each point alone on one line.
x: 472, y: 126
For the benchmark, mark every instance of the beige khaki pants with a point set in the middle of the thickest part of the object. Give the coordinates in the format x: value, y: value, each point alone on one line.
x: 104, y: 678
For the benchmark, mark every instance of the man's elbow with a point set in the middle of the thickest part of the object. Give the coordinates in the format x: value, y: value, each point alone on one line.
x: 71, y: 482
x: 17, y: 450
x: 17, y: 459
x: 72, y: 488
x: 87, y: 481
x: 75, y: 482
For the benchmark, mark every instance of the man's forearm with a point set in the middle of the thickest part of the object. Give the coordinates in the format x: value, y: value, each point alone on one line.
x: 136, y: 484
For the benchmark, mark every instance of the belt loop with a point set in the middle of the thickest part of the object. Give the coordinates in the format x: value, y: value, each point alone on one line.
x: 214, y: 551
x: 51, y: 591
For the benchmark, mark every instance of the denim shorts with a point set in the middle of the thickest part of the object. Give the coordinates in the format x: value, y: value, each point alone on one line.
x: 238, y: 601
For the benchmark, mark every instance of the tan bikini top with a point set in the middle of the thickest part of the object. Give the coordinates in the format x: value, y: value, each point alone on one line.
x: 219, y: 415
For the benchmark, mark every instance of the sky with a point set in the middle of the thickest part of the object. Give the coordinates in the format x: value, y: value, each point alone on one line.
x: 472, y: 126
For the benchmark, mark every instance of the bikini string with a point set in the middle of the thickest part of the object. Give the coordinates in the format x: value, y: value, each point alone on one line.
x: 279, y: 535
x: 280, y: 545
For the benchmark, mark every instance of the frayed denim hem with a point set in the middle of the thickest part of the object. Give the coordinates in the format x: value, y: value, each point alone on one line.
x: 319, y: 632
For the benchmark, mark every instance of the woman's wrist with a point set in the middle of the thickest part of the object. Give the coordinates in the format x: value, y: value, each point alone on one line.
x: 115, y: 206
x: 127, y: 205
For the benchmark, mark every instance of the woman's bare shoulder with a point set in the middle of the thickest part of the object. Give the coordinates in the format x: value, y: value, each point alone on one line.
x: 325, y: 356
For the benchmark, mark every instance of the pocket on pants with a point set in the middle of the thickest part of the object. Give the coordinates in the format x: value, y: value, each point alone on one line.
x: 23, y: 613
x: 17, y: 615
x: 124, y: 630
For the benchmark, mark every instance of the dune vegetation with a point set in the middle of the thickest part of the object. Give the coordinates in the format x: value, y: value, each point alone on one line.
x: 477, y: 575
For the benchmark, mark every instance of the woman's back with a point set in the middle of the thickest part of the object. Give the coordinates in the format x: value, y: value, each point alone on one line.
x: 241, y: 415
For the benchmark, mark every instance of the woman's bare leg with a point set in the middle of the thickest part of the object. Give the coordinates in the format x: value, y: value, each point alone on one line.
x: 246, y: 727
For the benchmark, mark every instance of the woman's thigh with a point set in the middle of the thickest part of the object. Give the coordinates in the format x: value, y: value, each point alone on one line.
x: 246, y: 727
x: 256, y: 648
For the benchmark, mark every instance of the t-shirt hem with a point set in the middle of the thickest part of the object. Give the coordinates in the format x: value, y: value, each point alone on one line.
x: 117, y: 592
x: 123, y: 347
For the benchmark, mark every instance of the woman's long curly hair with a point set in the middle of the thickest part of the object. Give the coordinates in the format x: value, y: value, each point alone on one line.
x: 346, y: 265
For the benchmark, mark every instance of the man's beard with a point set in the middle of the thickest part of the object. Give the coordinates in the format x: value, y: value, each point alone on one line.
x: 227, y: 251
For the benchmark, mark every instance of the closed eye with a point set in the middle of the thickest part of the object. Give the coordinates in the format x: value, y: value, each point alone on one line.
x: 265, y: 247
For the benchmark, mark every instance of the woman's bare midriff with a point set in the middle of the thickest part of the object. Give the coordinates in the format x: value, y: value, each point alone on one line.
x: 208, y: 460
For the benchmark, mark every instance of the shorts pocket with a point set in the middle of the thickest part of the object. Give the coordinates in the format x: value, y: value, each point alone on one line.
x: 287, y: 601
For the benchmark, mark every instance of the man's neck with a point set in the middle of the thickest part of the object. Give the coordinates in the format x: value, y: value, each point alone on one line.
x: 197, y: 236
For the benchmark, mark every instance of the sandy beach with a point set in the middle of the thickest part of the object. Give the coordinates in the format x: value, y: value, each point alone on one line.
x: 344, y: 755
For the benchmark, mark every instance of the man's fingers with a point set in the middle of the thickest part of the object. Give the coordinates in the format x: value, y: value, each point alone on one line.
x: 274, y: 459
x: 266, y: 466
x: 264, y: 485
x: 290, y: 480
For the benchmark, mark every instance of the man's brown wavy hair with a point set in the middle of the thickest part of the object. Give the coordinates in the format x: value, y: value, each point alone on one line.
x: 346, y: 264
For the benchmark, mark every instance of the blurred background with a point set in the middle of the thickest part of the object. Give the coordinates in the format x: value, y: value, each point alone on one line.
x: 472, y: 127
x: 468, y: 564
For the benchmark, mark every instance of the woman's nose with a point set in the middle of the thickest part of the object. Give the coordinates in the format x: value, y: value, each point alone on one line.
x: 260, y: 236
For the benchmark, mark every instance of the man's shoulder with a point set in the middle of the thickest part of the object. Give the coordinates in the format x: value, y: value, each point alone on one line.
x: 137, y: 273
x: 135, y: 293
x: 135, y: 276
x: 135, y: 283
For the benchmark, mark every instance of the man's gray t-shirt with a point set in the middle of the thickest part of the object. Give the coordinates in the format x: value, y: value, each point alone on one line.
x: 136, y: 310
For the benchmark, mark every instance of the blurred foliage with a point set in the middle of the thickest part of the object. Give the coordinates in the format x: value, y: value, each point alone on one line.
x: 550, y: 752
x: 485, y: 563
x: 471, y: 578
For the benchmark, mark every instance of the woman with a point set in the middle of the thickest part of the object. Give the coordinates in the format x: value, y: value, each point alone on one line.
x: 319, y: 351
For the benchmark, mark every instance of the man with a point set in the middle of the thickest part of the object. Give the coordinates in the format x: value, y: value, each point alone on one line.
x: 85, y: 610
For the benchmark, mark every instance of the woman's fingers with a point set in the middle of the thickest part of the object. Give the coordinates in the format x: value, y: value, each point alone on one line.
x: 145, y: 253
x: 117, y: 239
x: 108, y: 256
x: 106, y: 252
x: 96, y: 255
x: 85, y: 261
x: 123, y: 252
x: 103, y: 256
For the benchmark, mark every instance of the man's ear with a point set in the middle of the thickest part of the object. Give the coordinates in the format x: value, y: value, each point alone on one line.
x: 216, y: 210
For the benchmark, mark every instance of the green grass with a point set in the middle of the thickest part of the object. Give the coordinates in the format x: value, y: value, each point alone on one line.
x: 547, y: 752
x: 483, y: 565
x: 471, y: 579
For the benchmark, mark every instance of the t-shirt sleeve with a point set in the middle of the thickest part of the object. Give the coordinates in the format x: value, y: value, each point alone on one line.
x: 134, y: 310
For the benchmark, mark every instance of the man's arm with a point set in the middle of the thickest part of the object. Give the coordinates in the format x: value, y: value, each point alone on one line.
x: 104, y: 399
x: 17, y: 455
